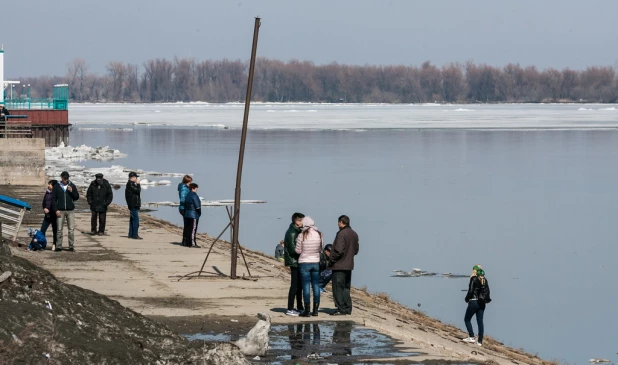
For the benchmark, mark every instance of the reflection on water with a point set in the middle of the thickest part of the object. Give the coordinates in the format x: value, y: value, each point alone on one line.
x: 325, y: 342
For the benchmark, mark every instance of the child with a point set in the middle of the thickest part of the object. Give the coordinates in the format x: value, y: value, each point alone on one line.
x: 39, y: 242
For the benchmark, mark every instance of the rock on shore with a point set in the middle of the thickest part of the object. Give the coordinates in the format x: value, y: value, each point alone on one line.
x: 45, y: 320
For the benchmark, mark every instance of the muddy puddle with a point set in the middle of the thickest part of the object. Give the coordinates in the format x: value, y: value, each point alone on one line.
x: 322, y: 343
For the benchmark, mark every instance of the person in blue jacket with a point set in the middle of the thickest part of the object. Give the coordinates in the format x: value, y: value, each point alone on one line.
x: 183, y: 190
x: 38, y: 242
x: 193, y: 211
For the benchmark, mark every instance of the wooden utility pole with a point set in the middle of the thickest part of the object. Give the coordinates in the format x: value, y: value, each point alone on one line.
x: 241, y: 154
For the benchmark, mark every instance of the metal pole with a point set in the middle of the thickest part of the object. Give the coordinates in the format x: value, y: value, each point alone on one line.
x: 241, y: 153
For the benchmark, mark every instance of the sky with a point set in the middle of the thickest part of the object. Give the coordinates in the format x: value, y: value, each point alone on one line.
x: 41, y: 37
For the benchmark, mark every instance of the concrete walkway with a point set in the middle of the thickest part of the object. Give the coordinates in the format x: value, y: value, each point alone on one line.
x: 143, y: 275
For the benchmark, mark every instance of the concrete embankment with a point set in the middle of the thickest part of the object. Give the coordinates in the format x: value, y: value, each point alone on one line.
x: 22, y: 161
x: 143, y: 276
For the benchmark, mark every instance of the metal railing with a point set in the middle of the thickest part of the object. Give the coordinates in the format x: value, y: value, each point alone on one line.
x: 29, y: 103
x: 15, y: 128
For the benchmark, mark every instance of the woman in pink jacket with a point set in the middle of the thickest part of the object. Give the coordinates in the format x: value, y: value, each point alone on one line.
x: 309, y: 246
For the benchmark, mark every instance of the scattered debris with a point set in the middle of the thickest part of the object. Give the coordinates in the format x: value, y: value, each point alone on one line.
x: 256, y: 358
x: 234, y: 320
x: 5, y: 275
x: 256, y: 342
x: 314, y: 356
x: 48, y: 305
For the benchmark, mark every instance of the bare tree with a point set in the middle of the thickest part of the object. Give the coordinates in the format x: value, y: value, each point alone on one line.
x: 77, y: 70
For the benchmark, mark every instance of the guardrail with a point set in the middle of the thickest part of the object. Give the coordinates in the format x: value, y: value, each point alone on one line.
x: 29, y: 103
x: 16, y: 126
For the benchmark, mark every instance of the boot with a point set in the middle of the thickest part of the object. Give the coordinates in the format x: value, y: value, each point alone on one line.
x: 306, y: 312
x: 316, y: 306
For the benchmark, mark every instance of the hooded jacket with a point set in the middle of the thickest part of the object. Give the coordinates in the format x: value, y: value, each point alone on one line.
x: 63, y: 199
x: 193, y: 206
x: 291, y: 257
x: 132, y: 194
x: 309, y: 243
x: 183, y: 190
x: 344, y: 249
x: 99, y: 196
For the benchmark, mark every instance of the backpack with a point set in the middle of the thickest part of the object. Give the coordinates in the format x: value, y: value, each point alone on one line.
x: 483, y: 295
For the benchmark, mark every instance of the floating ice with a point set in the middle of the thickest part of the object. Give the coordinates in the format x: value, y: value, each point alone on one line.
x: 80, y: 153
x: 107, y: 129
x: 205, y: 203
x: 63, y: 158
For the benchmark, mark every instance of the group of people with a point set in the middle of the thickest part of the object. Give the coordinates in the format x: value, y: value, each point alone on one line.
x: 312, y: 263
x: 310, y: 260
x: 59, y: 207
x: 190, y: 209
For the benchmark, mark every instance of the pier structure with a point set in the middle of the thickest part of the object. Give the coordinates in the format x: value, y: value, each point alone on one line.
x: 41, y: 117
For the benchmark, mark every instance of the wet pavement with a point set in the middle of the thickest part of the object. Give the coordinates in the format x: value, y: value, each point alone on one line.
x: 322, y: 343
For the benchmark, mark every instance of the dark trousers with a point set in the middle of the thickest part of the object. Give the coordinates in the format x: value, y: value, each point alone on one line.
x: 102, y: 218
x: 474, y: 307
x: 296, y: 291
x: 342, y: 282
x: 133, y: 222
x: 182, y: 213
x: 190, y: 231
x: 50, y: 219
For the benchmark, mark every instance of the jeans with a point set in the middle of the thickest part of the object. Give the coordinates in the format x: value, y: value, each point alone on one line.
x: 342, y: 282
x: 50, y: 219
x: 295, y: 291
x: 310, y: 275
x: 102, y: 217
x: 133, y: 222
x: 325, y: 277
x: 69, y: 216
x: 474, y: 307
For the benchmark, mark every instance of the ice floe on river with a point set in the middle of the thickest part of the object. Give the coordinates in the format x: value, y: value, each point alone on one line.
x: 65, y: 158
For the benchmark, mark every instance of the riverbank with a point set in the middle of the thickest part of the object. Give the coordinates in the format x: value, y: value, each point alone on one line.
x: 143, y: 276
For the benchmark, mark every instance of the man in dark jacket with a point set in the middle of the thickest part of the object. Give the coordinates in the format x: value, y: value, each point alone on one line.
x: 3, y: 112
x: 64, y: 195
x: 342, y: 255
x: 132, y: 194
x: 99, y: 197
x: 290, y: 258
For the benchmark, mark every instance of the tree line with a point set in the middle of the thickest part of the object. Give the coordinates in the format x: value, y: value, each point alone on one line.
x: 185, y: 79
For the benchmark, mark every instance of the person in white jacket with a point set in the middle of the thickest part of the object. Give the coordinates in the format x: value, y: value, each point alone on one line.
x: 309, y: 246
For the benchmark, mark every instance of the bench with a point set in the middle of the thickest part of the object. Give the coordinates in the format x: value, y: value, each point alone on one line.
x: 11, y: 215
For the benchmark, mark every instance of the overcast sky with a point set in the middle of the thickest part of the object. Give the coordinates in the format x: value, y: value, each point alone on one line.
x: 41, y: 36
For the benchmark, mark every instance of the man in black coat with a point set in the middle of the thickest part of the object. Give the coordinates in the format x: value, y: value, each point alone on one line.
x: 132, y: 194
x: 99, y: 197
x: 342, y: 255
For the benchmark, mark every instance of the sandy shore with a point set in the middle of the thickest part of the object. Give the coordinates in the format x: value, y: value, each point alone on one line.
x: 143, y: 275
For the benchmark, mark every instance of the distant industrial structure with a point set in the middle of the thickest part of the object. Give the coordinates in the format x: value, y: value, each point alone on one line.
x: 46, y: 118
